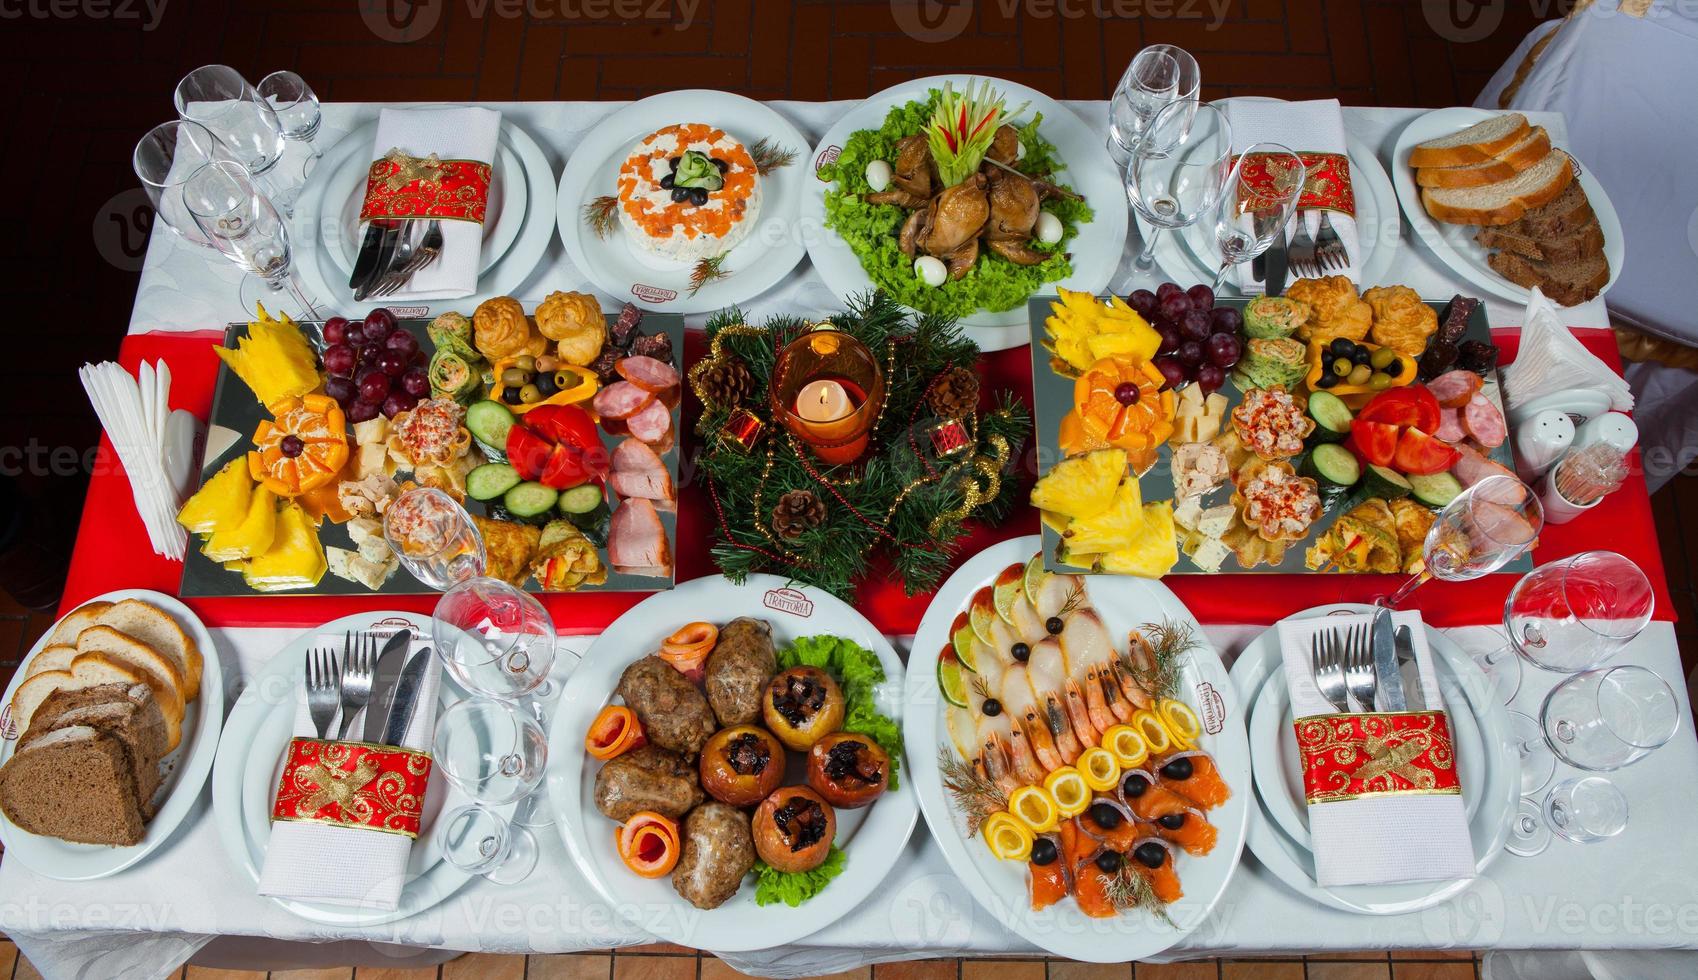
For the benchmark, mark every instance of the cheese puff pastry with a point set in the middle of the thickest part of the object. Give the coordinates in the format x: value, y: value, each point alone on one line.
x: 1336, y: 309
x: 576, y: 322
x: 1401, y: 321
x: 499, y: 329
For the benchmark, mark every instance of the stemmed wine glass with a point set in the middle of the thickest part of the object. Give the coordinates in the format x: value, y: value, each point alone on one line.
x: 165, y: 159
x: 219, y: 98
x: 1159, y: 74
x: 242, y: 224
x: 298, y: 113
x: 496, y: 753
x: 1483, y: 529
x: 1259, y: 199
x: 1178, y: 169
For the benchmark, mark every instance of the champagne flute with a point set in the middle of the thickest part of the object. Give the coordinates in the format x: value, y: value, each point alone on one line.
x: 1486, y: 527
x: 1259, y: 199
x: 1178, y: 169
x: 164, y: 160
x: 242, y: 224
x: 298, y: 115
x: 1159, y: 74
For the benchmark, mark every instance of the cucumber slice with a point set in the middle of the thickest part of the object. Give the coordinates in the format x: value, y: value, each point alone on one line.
x: 1387, y: 484
x: 1436, y: 489
x: 580, y: 499
x: 1332, y: 464
x: 490, y: 481
x: 489, y: 422
x: 530, y: 500
x: 1332, y: 417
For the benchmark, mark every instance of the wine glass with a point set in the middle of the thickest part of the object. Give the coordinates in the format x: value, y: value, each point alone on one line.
x: 1484, y: 528
x: 1599, y: 720
x: 434, y: 537
x: 1159, y: 74
x: 164, y: 160
x: 298, y: 115
x: 219, y: 98
x: 1178, y: 169
x: 1586, y: 809
x: 495, y: 640
x: 1259, y: 199
x: 242, y: 224
x: 496, y: 753
x: 1570, y: 615
x: 478, y: 841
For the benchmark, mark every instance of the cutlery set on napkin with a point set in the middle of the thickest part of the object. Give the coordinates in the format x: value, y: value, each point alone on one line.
x: 1323, y: 238
x: 154, y: 443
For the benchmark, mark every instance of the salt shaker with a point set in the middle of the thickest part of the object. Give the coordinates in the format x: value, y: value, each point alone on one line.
x: 1611, y: 428
x: 1540, y: 441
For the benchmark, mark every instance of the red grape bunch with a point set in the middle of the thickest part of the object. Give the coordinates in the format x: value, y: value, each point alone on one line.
x: 373, y: 365
x: 1199, y: 341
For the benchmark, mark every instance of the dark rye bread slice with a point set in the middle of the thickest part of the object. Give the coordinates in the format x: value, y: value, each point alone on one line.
x: 1586, y: 240
x: 127, y: 712
x: 1566, y: 283
x: 1565, y: 214
x: 76, y: 783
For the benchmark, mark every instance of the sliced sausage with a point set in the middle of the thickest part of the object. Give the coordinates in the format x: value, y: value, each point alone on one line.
x: 1450, y: 426
x: 1453, y: 389
x: 636, y: 540
x: 621, y: 400
x: 647, y: 373
x: 652, y: 424
x: 1484, y: 422
x: 1472, y: 466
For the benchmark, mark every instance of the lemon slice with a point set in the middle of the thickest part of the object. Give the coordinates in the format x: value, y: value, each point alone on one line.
x: 1129, y: 747
x: 1067, y: 788
x: 1034, y: 806
x: 1033, y: 578
x: 1099, y: 768
x: 1154, y: 730
x: 1181, y: 721
x: 980, y: 613
x: 1006, y: 592
x: 951, y: 679
x: 1007, y: 838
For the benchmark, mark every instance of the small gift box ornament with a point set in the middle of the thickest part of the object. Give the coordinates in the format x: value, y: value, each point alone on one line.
x: 353, y: 784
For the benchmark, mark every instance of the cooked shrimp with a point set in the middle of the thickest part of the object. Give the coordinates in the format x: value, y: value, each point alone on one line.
x: 1019, y: 702
x: 1090, y: 659
x: 1048, y: 676
x: 1139, y: 661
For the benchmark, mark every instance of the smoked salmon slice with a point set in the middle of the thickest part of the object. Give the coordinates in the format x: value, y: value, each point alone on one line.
x: 1202, y: 785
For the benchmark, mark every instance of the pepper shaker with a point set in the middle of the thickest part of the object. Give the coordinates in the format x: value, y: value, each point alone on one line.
x: 1540, y: 442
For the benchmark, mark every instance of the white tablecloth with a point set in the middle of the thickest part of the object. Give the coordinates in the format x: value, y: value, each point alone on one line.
x: 1639, y: 890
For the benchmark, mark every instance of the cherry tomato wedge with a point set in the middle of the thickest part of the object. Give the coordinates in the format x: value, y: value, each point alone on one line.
x: 614, y: 731
x: 1374, y: 442
x: 648, y: 844
x: 1420, y: 454
x: 1413, y: 405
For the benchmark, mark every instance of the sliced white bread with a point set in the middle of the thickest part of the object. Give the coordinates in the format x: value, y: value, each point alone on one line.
x: 158, y: 630
x: 1476, y: 144
x: 55, y: 657
x: 84, y: 671
x: 1535, y: 146
x: 79, y: 619
x: 155, y: 669
x: 1504, y: 201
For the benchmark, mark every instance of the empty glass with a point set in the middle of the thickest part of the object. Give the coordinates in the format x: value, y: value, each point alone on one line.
x: 1599, y: 720
x: 1586, y: 809
x: 479, y: 841
x: 164, y: 160
x: 494, y: 639
x: 219, y: 98
x: 491, y: 750
x: 1259, y: 199
x: 297, y: 108
x: 1158, y: 75
x: 241, y: 223
x: 1178, y: 169
x: 1484, y: 528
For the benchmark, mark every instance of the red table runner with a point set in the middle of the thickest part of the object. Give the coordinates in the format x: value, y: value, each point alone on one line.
x: 112, y: 550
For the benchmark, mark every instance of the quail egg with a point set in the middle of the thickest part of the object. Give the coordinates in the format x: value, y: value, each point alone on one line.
x: 1048, y: 229
x: 878, y: 175
x: 931, y: 270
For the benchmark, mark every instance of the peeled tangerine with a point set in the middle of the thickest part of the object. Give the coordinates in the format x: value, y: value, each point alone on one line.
x: 303, y: 449
x: 221, y: 502
x: 295, y: 559
x: 1120, y: 402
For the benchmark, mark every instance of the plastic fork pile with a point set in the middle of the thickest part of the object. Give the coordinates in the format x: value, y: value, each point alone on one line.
x: 133, y: 411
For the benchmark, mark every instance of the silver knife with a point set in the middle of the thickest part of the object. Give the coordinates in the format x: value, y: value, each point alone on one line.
x: 383, y: 683
x: 366, y: 265
x: 1276, y: 264
x: 1388, y: 682
x: 1409, y: 669
x: 406, y: 700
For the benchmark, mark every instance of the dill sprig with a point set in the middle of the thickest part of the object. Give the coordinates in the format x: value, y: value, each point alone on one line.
x: 1128, y: 890
x: 974, y: 795
x: 769, y: 156
x: 602, y: 215
x: 708, y: 270
x: 1171, y: 644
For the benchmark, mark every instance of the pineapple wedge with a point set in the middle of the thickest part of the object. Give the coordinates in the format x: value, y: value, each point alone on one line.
x: 222, y: 502
x: 295, y: 559
x: 1155, y: 551
x: 252, y: 536
x: 1081, y: 486
x: 274, y: 359
x: 1115, y: 529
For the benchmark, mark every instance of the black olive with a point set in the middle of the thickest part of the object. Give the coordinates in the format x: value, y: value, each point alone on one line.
x: 1177, y: 769
x: 510, y: 395
x: 1394, y: 370
x: 1361, y: 355
x: 1044, y: 852
x: 992, y: 707
x: 1172, y: 821
x: 1327, y: 380
x: 545, y: 384
x: 698, y: 197
x: 1135, y: 784
x: 673, y: 163
x: 1109, y: 862
x: 1341, y: 347
x: 680, y: 195
x: 1054, y: 625
x: 1150, y: 854
x: 666, y: 182
x: 1105, y: 815
x: 721, y: 164
x: 1020, y: 652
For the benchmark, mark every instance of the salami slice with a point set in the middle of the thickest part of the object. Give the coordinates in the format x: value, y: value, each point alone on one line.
x: 1453, y: 389
x: 653, y: 424
x: 648, y: 373
x: 1450, y: 426
x: 621, y: 400
x: 1484, y: 422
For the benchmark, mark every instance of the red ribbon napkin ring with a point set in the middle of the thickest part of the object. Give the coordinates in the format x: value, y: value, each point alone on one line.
x: 353, y: 784
x: 1395, y: 753
x: 1326, y: 181
x: 402, y: 186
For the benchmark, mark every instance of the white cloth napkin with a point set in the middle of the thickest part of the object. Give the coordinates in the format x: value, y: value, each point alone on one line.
x: 1380, y: 839
x: 1304, y: 127
x: 1551, y: 359
x: 347, y: 866
x: 452, y: 134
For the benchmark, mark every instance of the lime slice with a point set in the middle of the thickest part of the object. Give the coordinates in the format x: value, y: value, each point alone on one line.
x: 951, y: 678
x: 1033, y: 580
x: 1007, y: 592
x: 980, y: 614
x: 961, y: 636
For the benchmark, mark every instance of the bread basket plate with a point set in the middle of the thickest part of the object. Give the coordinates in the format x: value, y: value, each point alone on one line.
x: 1001, y: 887
x: 1085, y: 166
x: 186, y: 767
x: 873, y: 838
x: 1463, y: 683
x: 1454, y: 245
x: 623, y: 271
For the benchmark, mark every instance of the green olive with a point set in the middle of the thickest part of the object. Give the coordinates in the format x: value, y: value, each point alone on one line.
x: 1380, y: 381
x: 1342, y: 366
x: 1382, y: 358
x: 514, y: 377
x: 525, y: 362
x: 1360, y: 374
x: 564, y: 380
x: 530, y: 394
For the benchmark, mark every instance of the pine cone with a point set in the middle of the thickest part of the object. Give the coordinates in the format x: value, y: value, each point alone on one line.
x: 727, y: 383
x: 955, y: 394
x: 797, y: 511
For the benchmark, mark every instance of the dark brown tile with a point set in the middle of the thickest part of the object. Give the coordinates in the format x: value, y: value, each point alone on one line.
x: 1261, y: 970
x: 1319, y: 970
x: 672, y: 967
x: 918, y: 970
x: 1432, y: 970
x: 991, y: 969
x: 1068, y: 970
x: 567, y: 966
x: 1198, y: 970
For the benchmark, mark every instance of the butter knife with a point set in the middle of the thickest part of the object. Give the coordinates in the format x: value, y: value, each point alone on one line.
x: 384, y: 681
x: 406, y: 701
x: 1409, y: 671
x: 1388, y: 683
x: 1276, y: 265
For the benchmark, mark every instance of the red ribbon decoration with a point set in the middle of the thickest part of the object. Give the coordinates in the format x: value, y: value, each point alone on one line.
x: 399, y: 186
x: 353, y: 784
x: 1326, y: 182
x: 1349, y: 757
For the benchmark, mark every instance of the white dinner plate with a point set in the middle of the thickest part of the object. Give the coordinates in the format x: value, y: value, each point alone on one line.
x: 1085, y: 166
x: 621, y: 269
x: 185, y: 767
x: 873, y: 838
x: 1454, y: 245
x: 1378, y: 227
x: 245, y: 779
x: 1001, y: 887
x: 1293, y: 864
x: 318, y: 228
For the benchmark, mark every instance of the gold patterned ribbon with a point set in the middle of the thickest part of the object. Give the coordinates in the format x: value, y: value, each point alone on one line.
x: 353, y: 784
x: 1400, y: 753
x: 1326, y: 182
x: 402, y: 186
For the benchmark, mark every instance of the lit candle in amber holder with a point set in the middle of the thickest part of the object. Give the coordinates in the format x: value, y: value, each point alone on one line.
x: 827, y: 389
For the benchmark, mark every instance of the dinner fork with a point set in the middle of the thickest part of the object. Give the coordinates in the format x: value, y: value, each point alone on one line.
x: 1326, y: 665
x: 1301, y: 255
x: 1359, y: 667
x: 323, y: 689
x: 359, y: 656
x: 421, y: 254
x: 1330, y: 248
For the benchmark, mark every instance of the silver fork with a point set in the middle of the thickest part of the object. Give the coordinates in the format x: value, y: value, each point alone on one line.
x: 1330, y: 248
x: 1359, y: 668
x: 359, y: 655
x: 1326, y: 665
x: 323, y: 689
x: 423, y: 253
x: 1301, y: 254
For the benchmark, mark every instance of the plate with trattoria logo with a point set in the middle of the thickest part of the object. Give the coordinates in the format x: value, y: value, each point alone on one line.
x: 685, y: 202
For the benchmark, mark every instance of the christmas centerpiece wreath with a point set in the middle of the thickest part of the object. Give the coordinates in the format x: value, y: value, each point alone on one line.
x: 932, y: 457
